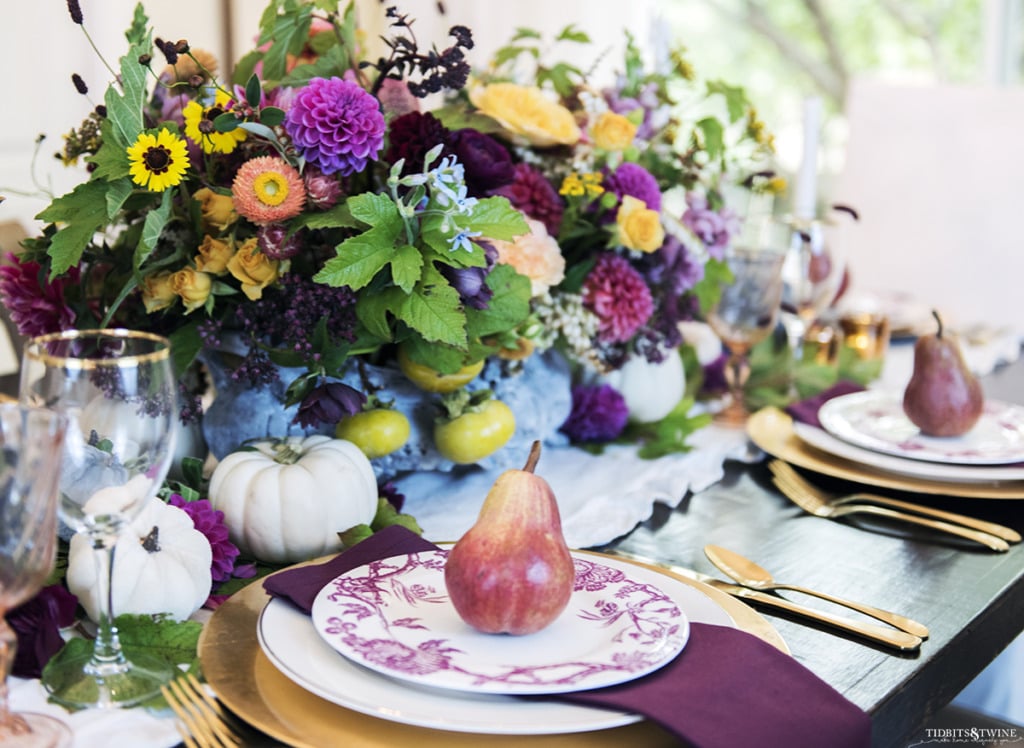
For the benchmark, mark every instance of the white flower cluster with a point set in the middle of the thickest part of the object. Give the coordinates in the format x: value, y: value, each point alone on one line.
x: 564, y: 314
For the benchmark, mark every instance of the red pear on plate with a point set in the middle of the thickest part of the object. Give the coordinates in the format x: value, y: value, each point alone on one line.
x: 943, y: 397
x: 512, y: 573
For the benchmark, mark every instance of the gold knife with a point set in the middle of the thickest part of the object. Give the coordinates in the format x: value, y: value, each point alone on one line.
x: 895, y: 638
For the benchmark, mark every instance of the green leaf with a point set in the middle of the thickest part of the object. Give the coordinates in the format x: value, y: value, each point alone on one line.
x: 271, y: 116
x: 289, y: 34
x: 442, y: 358
x: 374, y: 209
x: 83, y: 211
x: 253, y: 90
x: 359, y: 259
x: 495, y: 218
x: 151, y: 230
x: 124, y: 110
x: 338, y: 217
x: 374, y: 310
x: 735, y: 98
x: 435, y: 311
x: 111, y: 159
x: 406, y: 267
x: 522, y: 32
x: 572, y: 34
x: 119, y: 191
x: 227, y: 122
x: 508, y: 307
x: 185, y: 346
x: 709, y: 289
x: 714, y: 136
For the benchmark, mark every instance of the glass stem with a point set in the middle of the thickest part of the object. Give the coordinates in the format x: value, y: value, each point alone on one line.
x: 107, y: 655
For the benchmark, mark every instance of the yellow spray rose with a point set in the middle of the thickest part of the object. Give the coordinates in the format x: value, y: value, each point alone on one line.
x: 638, y: 226
x: 218, y: 210
x: 157, y: 293
x: 214, y: 255
x: 192, y: 286
x: 612, y: 131
x: 527, y: 112
x: 254, y: 269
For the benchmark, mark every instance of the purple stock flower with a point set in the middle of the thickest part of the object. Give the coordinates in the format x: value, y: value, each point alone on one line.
x: 471, y: 283
x: 36, y: 307
x: 210, y: 522
x: 599, y: 414
x: 714, y: 228
x: 531, y: 193
x: 633, y: 179
x: 336, y: 125
x: 328, y: 404
x: 487, y: 162
x: 37, y: 623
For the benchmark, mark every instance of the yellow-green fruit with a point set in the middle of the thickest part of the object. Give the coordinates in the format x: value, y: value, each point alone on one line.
x: 475, y: 435
x: 431, y: 380
x: 376, y: 432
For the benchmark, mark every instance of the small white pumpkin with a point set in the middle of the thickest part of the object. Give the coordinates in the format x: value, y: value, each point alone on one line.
x: 161, y: 565
x: 286, y: 500
x: 651, y: 391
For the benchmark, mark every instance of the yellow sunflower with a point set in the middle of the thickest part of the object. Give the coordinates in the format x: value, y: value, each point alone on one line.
x: 199, y: 125
x: 158, y: 161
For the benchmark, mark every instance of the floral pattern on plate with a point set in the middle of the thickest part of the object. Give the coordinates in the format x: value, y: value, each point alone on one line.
x: 394, y: 616
x: 875, y: 420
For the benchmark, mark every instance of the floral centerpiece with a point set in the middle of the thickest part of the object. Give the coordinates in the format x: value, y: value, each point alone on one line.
x: 350, y: 251
x: 437, y: 286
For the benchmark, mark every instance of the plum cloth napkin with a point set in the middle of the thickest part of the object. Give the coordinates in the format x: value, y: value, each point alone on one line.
x: 806, y: 411
x: 727, y: 688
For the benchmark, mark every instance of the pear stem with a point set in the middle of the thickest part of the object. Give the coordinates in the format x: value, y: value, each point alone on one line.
x: 938, y: 319
x: 531, y: 461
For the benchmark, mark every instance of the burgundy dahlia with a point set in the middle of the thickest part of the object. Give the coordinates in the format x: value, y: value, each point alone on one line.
x: 487, y: 162
x: 336, y: 125
x: 618, y: 295
x: 36, y: 307
x: 412, y: 135
x: 531, y: 193
x: 210, y: 522
x: 37, y: 623
x: 599, y: 414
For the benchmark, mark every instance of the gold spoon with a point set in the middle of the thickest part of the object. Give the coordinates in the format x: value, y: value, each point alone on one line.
x: 749, y: 574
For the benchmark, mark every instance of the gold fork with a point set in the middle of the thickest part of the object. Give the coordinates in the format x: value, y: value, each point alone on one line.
x: 204, y: 720
x: 780, y: 468
x: 812, y: 502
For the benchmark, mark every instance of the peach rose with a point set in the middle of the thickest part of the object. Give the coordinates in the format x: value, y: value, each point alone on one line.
x: 157, y: 293
x: 254, y: 269
x: 638, y: 226
x: 214, y: 255
x: 535, y: 255
x: 218, y: 210
x: 527, y: 112
x: 192, y: 286
x: 612, y: 131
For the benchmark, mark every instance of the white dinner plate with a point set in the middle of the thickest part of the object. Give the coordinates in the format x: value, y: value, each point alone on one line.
x: 980, y: 474
x: 291, y: 643
x: 875, y: 420
x: 394, y: 616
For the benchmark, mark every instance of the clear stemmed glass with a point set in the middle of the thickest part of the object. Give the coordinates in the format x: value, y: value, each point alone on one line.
x: 30, y: 456
x: 747, y: 310
x: 117, y: 390
x: 812, y: 275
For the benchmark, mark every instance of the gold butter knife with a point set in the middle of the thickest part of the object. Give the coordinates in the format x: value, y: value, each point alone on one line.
x: 895, y: 638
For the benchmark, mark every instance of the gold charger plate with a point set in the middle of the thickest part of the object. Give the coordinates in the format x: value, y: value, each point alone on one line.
x: 772, y: 430
x: 249, y: 684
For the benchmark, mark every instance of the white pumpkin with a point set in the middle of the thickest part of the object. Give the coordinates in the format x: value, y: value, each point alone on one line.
x: 287, y: 500
x: 651, y: 391
x: 161, y: 565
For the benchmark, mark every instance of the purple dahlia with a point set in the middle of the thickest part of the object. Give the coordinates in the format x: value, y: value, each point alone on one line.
x: 599, y: 414
x: 634, y: 180
x: 336, y: 125
x: 534, y: 195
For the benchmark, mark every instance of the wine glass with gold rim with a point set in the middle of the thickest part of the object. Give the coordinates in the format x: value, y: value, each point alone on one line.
x: 30, y: 456
x: 747, y: 309
x: 117, y: 390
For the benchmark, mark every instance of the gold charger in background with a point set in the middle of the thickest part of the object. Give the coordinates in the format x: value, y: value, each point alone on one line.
x: 772, y: 430
x: 250, y: 686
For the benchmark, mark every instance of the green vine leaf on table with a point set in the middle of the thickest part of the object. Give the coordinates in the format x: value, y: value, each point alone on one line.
x: 173, y: 642
x: 771, y: 366
x: 669, y: 435
x: 386, y: 516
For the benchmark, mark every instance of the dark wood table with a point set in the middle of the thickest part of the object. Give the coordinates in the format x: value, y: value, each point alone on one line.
x: 971, y: 599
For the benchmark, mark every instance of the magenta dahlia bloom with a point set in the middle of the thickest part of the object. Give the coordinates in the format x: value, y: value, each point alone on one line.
x: 599, y: 414
x: 35, y: 307
x: 633, y: 179
x: 620, y: 298
x: 714, y: 228
x: 336, y: 125
x: 210, y: 522
x: 531, y: 193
